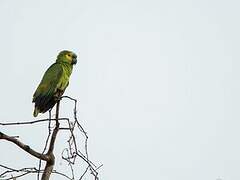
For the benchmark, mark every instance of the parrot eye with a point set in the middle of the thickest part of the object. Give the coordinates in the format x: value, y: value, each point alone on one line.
x: 69, y: 56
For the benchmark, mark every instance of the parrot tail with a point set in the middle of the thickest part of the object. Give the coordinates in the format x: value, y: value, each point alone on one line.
x: 36, y: 111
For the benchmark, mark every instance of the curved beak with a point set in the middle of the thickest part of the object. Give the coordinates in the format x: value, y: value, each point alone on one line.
x: 74, y: 60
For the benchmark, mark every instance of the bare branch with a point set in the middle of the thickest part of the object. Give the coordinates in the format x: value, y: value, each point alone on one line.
x: 25, y: 171
x: 33, y: 122
x: 46, y: 143
x: 74, y: 151
x: 50, y: 163
x: 69, y: 154
x: 24, y: 147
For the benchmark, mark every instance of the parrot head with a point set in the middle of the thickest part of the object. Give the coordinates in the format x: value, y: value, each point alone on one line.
x: 67, y: 57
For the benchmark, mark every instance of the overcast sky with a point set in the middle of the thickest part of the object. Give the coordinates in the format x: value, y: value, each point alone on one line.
x: 157, y: 82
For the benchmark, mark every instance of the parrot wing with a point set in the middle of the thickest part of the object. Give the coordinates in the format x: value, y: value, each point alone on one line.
x: 49, y: 87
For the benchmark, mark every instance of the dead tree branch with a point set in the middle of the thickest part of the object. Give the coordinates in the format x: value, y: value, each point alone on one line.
x: 51, y: 161
x: 69, y: 154
x: 24, y: 146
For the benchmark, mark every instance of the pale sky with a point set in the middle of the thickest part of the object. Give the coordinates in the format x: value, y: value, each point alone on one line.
x: 157, y: 83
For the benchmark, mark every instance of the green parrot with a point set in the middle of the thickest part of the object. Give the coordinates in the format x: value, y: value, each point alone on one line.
x: 54, y: 82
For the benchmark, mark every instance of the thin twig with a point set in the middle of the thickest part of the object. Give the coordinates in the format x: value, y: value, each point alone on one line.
x: 32, y: 122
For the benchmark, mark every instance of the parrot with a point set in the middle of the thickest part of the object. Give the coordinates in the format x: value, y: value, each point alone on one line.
x: 54, y: 82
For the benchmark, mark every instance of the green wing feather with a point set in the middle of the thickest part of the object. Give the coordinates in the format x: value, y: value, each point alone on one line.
x: 50, y: 89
